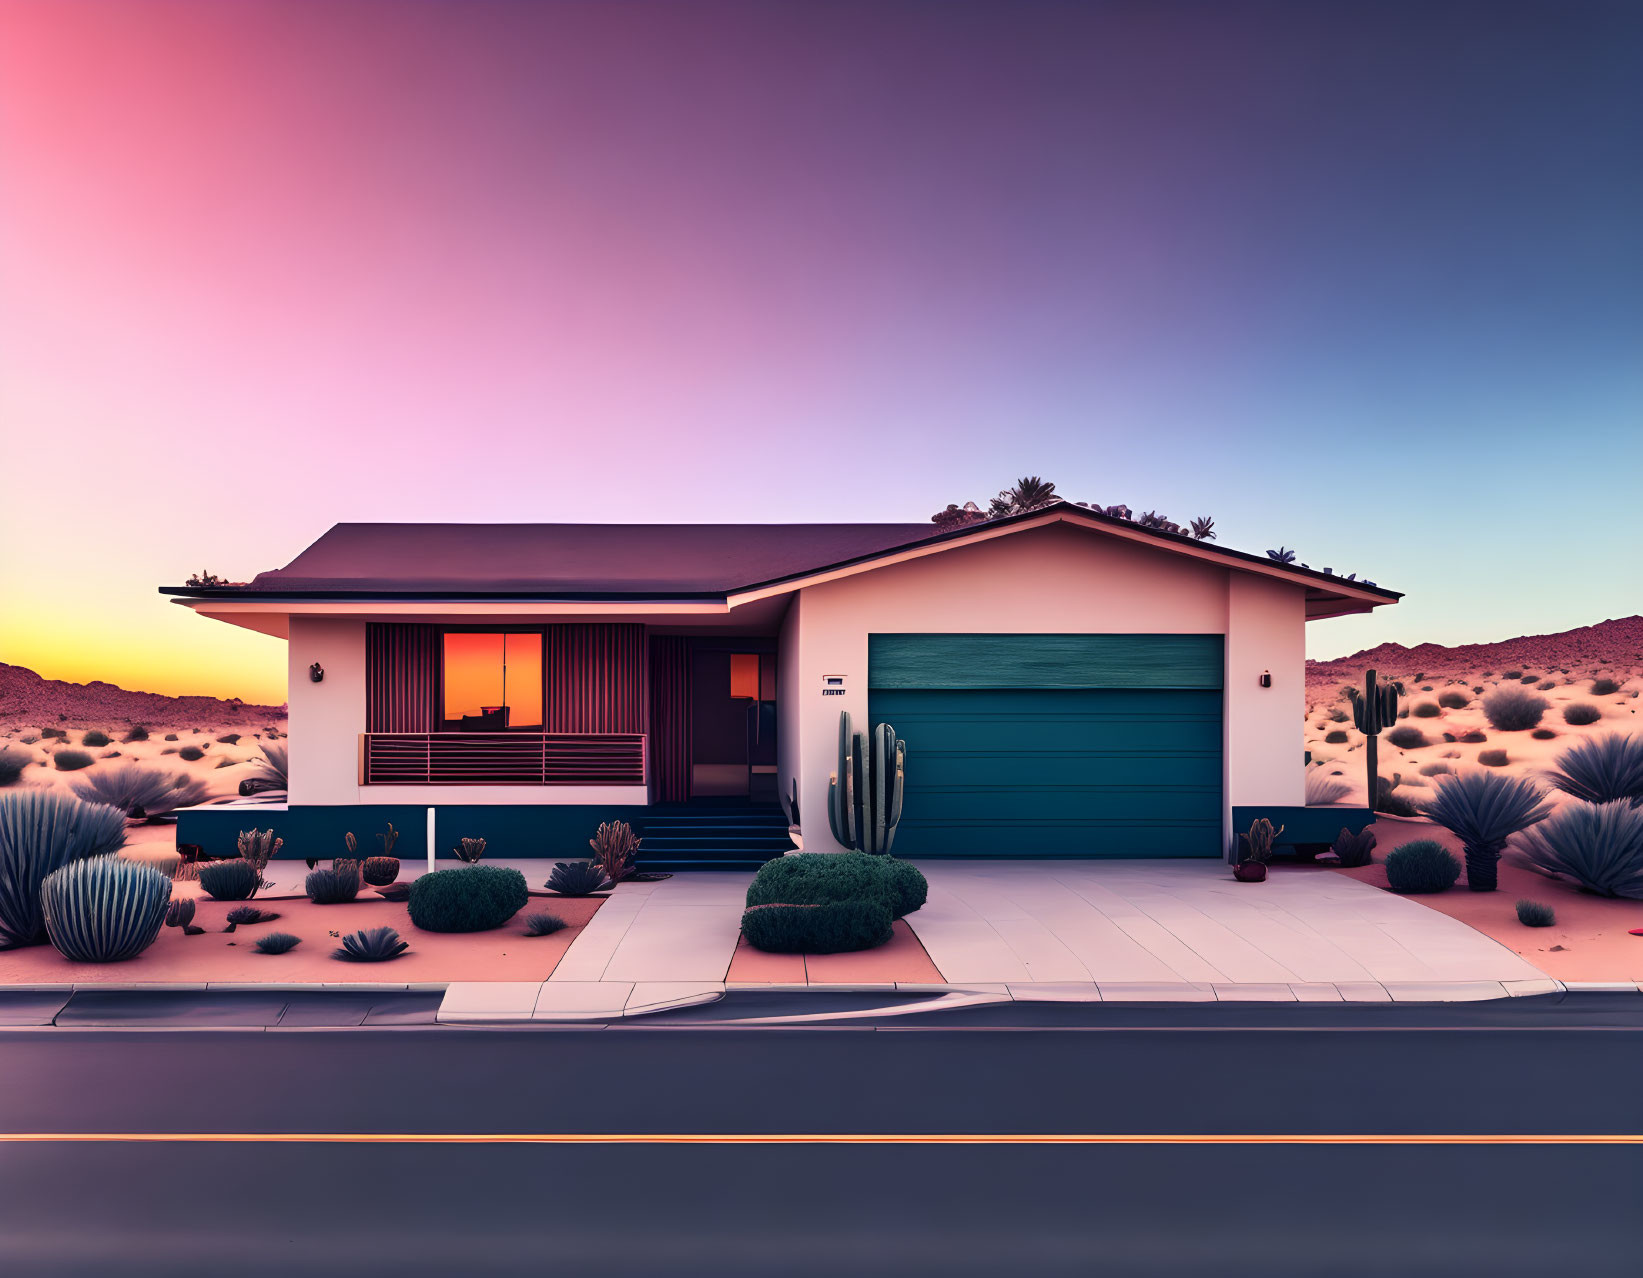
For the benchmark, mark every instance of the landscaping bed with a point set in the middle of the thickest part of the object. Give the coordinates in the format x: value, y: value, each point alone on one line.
x: 902, y: 958
x: 1591, y: 930
x: 505, y: 954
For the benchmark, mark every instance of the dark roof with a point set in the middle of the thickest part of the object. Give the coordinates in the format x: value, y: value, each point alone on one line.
x: 631, y: 561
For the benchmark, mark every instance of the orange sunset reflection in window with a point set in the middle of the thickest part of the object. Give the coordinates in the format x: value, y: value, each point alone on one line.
x: 485, y: 672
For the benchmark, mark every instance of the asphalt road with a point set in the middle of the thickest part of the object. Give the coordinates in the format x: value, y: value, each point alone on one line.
x: 1260, y: 1203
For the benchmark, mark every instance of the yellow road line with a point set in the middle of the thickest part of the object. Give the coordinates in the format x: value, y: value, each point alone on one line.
x: 806, y: 1138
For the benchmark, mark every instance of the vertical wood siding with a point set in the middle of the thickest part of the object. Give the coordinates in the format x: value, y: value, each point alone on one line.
x: 595, y: 677
x: 401, y: 677
x: 670, y: 717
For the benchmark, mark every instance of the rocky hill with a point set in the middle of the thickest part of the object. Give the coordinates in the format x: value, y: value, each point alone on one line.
x: 27, y: 700
x: 1616, y: 644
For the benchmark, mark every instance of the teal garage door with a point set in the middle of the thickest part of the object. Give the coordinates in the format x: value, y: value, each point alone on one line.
x: 1054, y: 745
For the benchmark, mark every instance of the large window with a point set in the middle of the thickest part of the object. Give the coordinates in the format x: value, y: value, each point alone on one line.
x: 493, y: 681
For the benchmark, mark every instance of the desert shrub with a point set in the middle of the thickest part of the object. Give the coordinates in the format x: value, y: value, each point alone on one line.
x: 818, y: 878
x: 1546, y: 685
x: 248, y: 914
x: 1535, y: 914
x: 96, y: 739
x: 1354, y: 849
x: 1542, y: 734
x: 1389, y: 801
x: 135, y: 733
x: 1337, y: 715
x: 40, y: 832
x: 1602, y: 769
x: 28, y: 738
x: 1472, y: 738
x: 1421, y: 867
x: 1604, y: 687
x: 615, y: 849
x: 71, y: 760
x: 1483, y: 810
x: 1514, y: 709
x: 104, y: 909
x: 1407, y: 737
x: 1598, y: 845
x: 331, y: 887
x: 276, y: 943
x: 192, y: 754
x: 1511, y: 674
x: 236, y: 880
x: 469, y: 850
x: 475, y: 898
x: 180, y: 913
x: 1493, y: 758
x: 1426, y: 710
x: 379, y: 871
x: 12, y: 763
x: 1454, y: 700
x: 229, y: 738
x: 1581, y: 713
x: 1323, y: 788
x: 577, y: 878
x: 170, y: 736
x: 838, y: 926
x: 50, y: 733
x: 543, y: 924
x: 1434, y: 769
x: 140, y: 791
x: 1337, y: 737
x: 1529, y: 678
x: 372, y: 945
x: 272, y: 770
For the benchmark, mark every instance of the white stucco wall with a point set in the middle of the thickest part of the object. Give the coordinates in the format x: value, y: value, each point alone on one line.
x: 1060, y: 580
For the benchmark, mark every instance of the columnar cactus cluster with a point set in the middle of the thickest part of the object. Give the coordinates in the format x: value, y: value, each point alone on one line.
x: 864, y: 796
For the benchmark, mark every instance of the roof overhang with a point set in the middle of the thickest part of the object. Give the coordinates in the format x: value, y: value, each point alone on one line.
x: 267, y: 610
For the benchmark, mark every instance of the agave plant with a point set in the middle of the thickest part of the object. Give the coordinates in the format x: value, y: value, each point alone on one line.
x: 1483, y: 810
x: 1354, y: 850
x: 334, y: 886
x: 104, y: 909
x: 180, y: 913
x: 372, y: 945
x: 1282, y: 555
x: 235, y: 880
x: 40, y: 832
x: 1203, y: 529
x: 577, y: 878
x: 249, y: 914
x: 277, y: 943
x: 1602, y: 769
x: 272, y: 772
x: 1323, y: 788
x: 1598, y: 845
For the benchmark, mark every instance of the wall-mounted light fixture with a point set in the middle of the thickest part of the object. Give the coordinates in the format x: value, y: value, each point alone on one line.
x: 316, y: 672
x: 1266, y: 678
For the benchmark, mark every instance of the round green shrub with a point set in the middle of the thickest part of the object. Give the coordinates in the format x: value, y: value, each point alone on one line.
x: 1434, y: 769
x: 1581, y: 713
x: 192, y: 753
x: 332, y: 887
x: 1337, y: 737
x: 820, y: 878
x: 1543, y: 734
x: 475, y: 898
x: 1407, y: 737
x: 1604, y: 687
x: 831, y: 928
x: 1421, y: 867
x: 1426, y: 710
x: 71, y: 760
x: 1493, y: 758
x: 235, y: 880
x: 1454, y: 700
x: 95, y: 738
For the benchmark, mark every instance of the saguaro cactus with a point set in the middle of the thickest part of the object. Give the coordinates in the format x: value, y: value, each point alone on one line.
x: 864, y: 796
x: 1373, y: 710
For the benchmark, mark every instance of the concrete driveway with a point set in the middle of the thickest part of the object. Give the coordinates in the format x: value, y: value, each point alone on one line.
x: 1136, y: 928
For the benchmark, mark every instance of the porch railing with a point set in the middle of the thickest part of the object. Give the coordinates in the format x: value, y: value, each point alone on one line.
x: 502, y: 758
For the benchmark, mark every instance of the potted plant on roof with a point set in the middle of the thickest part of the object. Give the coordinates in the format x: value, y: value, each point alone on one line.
x: 1255, y: 850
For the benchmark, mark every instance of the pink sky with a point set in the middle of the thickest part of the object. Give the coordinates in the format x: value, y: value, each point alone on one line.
x: 267, y: 266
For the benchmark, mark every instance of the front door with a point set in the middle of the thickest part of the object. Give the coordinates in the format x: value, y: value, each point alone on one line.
x: 733, y: 720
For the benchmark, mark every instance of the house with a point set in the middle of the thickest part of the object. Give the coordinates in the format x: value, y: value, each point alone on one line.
x: 1067, y: 683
